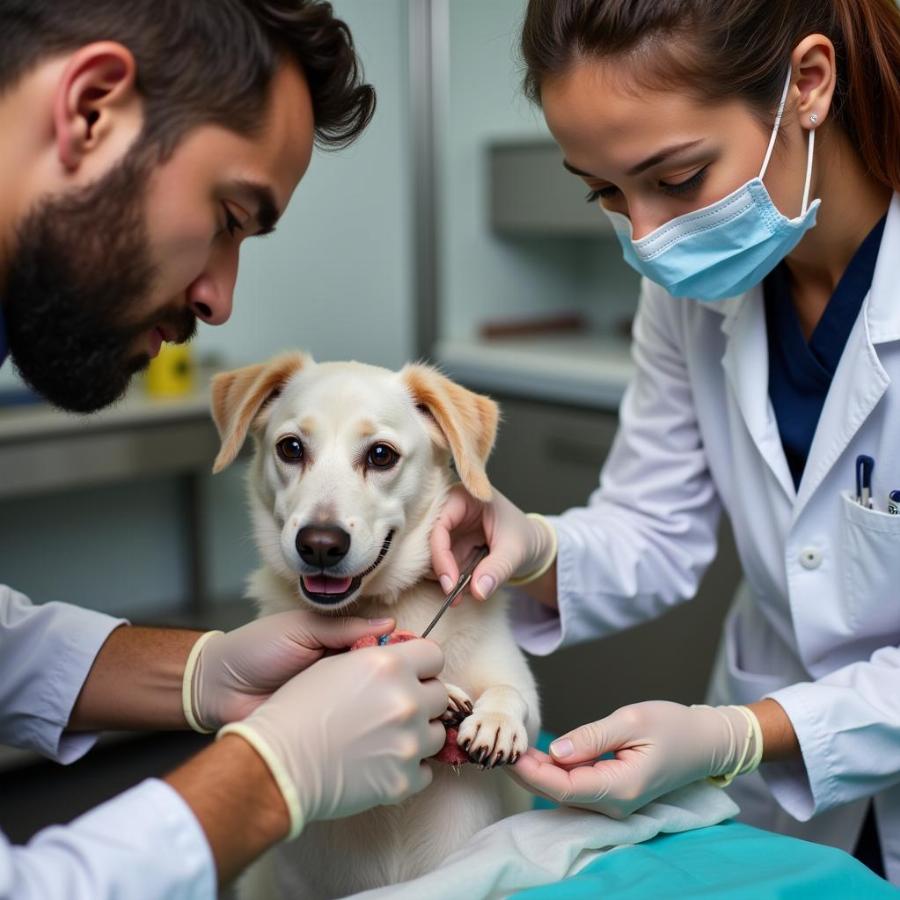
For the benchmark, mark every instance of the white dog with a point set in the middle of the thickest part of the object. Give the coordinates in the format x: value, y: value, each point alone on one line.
x: 351, y: 468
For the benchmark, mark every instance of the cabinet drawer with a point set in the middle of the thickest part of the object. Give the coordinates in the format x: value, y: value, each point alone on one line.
x: 548, y: 457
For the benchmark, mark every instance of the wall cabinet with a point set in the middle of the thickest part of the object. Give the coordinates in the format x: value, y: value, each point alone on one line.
x: 531, y: 193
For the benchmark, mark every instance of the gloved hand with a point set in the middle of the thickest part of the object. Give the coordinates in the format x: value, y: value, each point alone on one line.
x: 521, y: 545
x: 658, y: 746
x: 227, y: 676
x: 352, y: 731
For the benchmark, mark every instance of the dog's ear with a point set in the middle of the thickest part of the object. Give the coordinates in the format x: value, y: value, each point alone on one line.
x: 459, y: 418
x: 239, y: 398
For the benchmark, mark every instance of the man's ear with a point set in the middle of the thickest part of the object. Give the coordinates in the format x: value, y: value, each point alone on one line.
x: 239, y: 399
x: 459, y: 418
x: 96, y: 94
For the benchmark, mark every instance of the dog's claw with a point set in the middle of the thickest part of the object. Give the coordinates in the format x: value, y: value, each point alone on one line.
x: 459, y: 705
x: 492, y: 739
x: 452, y: 718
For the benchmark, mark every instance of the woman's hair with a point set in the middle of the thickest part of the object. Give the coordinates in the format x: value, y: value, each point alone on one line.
x: 202, y: 61
x: 721, y: 49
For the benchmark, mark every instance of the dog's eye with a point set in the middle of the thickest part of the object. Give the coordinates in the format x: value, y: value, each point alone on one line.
x: 381, y: 456
x: 290, y: 449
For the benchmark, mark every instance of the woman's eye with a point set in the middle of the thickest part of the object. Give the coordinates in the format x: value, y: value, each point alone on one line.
x: 290, y: 450
x: 685, y: 187
x: 382, y: 456
x: 603, y: 193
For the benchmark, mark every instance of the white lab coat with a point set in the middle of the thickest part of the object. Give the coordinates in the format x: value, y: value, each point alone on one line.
x: 145, y: 844
x: 816, y: 623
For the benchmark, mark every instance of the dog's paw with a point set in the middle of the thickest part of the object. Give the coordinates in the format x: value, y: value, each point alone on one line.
x: 458, y: 706
x: 492, y: 738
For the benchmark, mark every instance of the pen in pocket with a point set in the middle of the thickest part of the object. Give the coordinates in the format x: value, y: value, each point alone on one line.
x: 864, y: 466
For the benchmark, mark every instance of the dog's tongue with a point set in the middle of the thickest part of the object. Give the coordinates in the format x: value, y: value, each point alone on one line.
x: 325, y: 584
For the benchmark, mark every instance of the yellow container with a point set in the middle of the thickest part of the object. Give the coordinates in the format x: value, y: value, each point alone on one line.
x: 171, y: 374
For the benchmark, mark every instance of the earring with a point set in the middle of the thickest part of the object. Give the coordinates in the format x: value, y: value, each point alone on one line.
x: 813, y: 117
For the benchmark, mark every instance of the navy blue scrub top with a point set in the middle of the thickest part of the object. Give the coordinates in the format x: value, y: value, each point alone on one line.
x: 3, y: 347
x: 800, y: 373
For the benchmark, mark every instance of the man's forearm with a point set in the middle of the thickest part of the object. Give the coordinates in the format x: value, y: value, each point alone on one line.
x: 135, y: 681
x: 236, y: 801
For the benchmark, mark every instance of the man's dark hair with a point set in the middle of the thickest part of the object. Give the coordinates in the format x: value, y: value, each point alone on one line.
x: 202, y: 61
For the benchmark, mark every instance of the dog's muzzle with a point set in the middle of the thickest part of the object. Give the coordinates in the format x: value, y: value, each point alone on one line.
x: 328, y: 589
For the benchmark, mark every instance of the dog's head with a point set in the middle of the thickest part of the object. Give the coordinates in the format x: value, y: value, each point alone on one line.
x: 351, y: 467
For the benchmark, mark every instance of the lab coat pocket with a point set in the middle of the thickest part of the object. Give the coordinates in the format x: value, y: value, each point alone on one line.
x: 755, y: 663
x: 870, y: 547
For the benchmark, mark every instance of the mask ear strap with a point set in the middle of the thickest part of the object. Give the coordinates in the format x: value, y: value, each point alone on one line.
x: 784, y: 93
x: 809, y: 168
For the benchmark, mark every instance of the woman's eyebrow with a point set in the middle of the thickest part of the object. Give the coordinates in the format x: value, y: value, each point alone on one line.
x: 568, y: 166
x: 648, y: 163
x: 663, y: 155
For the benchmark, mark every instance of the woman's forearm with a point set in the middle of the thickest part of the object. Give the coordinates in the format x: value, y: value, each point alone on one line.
x: 544, y: 589
x: 779, y: 738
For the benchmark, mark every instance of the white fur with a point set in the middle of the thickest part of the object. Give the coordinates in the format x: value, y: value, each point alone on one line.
x: 388, y: 844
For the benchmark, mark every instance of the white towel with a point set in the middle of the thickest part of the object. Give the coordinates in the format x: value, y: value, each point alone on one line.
x: 545, y: 846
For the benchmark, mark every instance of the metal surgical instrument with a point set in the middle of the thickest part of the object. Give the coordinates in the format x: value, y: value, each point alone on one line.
x: 465, y: 576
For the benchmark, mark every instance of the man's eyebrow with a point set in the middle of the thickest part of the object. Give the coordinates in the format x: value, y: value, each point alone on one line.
x: 267, y: 213
x: 648, y: 163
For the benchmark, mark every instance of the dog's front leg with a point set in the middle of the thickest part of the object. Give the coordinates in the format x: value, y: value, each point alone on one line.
x: 495, y: 732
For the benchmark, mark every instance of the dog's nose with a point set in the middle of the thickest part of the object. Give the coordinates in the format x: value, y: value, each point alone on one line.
x: 322, y: 545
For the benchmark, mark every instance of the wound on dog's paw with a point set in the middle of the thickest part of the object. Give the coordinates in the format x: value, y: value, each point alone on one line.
x: 450, y: 753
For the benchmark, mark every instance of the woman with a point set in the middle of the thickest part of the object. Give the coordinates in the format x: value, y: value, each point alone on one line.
x: 747, y: 154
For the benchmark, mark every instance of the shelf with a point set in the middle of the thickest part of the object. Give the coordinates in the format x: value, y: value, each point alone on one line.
x: 43, y: 449
x: 585, y: 370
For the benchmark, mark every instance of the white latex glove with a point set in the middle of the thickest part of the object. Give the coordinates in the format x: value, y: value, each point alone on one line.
x: 227, y: 676
x: 658, y: 747
x: 352, y: 731
x: 520, y: 544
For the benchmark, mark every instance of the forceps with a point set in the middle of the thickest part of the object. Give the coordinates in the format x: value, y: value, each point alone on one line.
x: 465, y: 576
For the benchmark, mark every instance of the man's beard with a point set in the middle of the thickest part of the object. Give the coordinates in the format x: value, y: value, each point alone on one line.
x: 79, y: 272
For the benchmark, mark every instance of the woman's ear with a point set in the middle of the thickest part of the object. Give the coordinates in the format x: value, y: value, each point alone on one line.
x: 95, y: 96
x: 240, y: 397
x: 460, y: 419
x: 815, y: 61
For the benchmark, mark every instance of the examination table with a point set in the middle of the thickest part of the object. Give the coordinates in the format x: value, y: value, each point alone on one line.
x: 685, y: 845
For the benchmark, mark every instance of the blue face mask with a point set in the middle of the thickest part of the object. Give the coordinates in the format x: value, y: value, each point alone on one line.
x: 724, y: 249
